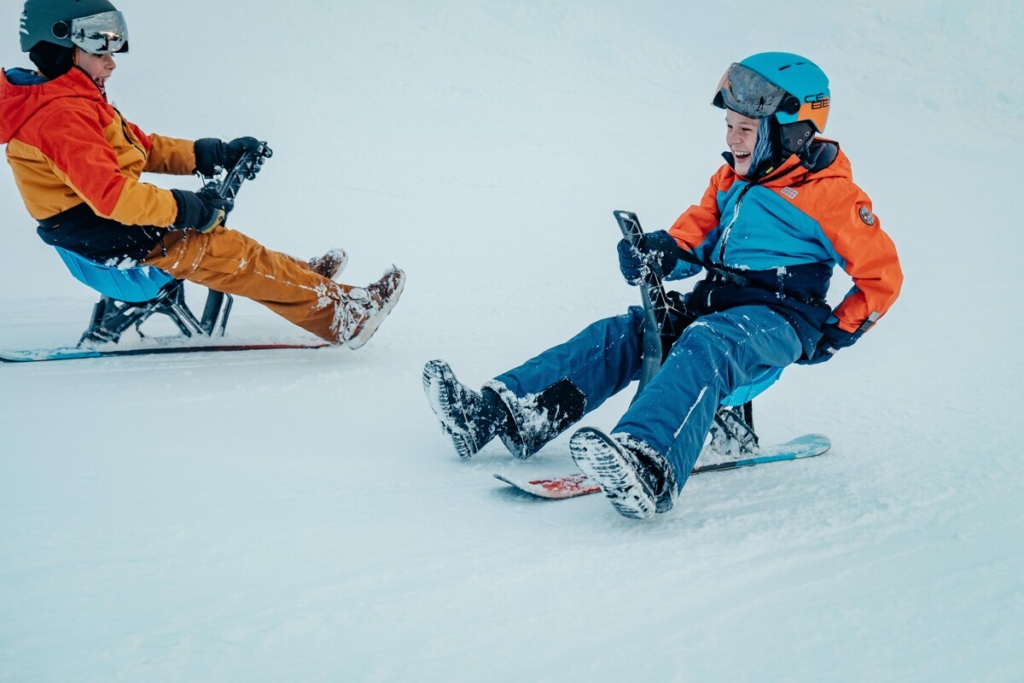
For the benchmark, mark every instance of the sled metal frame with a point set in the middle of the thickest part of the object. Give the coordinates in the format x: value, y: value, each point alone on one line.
x: 111, y: 317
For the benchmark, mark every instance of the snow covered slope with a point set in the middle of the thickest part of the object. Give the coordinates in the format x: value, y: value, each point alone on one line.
x: 298, y: 515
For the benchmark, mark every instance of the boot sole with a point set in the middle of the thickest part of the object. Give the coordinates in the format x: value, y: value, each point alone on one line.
x: 600, y: 458
x: 371, y: 325
x: 437, y: 377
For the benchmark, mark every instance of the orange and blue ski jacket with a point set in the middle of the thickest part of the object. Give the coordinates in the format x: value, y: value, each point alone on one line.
x: 776, y: 241
x: 70, y: 149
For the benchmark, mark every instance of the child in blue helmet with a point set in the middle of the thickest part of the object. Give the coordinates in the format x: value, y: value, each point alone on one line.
x: 777, y: 218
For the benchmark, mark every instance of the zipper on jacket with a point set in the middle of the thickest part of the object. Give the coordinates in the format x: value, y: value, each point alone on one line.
x: 127, y: 133
x: 736, y: 213
x: 728, y: 229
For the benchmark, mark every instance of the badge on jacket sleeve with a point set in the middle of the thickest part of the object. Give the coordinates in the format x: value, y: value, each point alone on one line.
x: 866, y: 215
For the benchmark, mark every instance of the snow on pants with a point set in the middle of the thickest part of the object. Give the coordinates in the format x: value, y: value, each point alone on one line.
x: 715, y: 355
x: 600, y: 361
x: 228, y: 261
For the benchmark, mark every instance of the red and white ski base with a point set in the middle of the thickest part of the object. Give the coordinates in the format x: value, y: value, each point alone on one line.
x: 559, y: 487
x: 573, y: 485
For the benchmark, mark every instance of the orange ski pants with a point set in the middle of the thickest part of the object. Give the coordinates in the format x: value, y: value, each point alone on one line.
x: 228, y: 261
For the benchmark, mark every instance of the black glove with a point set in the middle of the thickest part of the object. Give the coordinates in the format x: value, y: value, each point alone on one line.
x: 213, y: 154
x: 202, y: 211
x: 655, y: 247
x: 832, y: 340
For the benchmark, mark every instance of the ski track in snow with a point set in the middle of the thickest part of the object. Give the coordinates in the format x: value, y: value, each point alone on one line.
x: 298, y: 515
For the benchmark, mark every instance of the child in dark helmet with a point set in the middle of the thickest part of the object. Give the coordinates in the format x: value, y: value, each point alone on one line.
x: 768, y: 232
x: 77, y: 162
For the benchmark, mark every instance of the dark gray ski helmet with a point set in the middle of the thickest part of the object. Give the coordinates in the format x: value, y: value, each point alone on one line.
x: 93, y: 25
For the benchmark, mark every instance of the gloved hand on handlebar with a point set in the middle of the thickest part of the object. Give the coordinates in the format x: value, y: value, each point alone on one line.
x: 201, y: 211
x: 655, y: 247
x: 213, y: 154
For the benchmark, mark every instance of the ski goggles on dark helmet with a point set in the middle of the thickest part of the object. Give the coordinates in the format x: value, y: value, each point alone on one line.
x: 98, y: 34
x: 747, y: 92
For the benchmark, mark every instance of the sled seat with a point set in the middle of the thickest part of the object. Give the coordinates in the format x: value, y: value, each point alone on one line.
x: 129, y: 296
x: 131, y: 285
x: 747, y: 392
x: 732, y: 432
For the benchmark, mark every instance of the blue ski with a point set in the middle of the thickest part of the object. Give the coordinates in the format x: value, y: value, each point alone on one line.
x: 74, y: 353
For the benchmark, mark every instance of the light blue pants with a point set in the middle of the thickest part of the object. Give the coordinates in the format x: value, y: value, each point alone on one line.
x: 714, y: 356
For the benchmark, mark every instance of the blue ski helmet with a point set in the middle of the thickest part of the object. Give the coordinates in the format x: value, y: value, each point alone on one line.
x: 789, y: 87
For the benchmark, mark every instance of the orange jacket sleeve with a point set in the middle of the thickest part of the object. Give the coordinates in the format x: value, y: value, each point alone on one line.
x: 170, y: 155
x: 868, y: 257
x: 693, y: 226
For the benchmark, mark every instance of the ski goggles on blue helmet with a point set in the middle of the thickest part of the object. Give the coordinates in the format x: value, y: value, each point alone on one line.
x: 98, y: 34
x: 749, y: 93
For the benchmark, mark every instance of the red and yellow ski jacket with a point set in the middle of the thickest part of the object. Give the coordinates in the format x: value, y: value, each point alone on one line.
x: 781, y: 238
x: 68, y: 146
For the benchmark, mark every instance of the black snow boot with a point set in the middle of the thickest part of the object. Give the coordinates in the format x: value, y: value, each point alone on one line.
x: 538, y: 418
x: 638, y: 481
x: 469, y: 418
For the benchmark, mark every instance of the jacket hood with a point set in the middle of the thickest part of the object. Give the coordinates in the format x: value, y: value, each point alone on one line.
x: 23, y: 95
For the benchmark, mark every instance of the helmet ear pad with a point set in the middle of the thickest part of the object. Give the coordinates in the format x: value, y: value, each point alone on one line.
x: 52, y: 60
x: 795, y: 138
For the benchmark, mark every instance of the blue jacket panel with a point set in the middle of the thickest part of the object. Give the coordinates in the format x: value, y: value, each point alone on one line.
x: 765, y: 232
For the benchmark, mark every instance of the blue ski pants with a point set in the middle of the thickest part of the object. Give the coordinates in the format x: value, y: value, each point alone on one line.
x: 715, y: 355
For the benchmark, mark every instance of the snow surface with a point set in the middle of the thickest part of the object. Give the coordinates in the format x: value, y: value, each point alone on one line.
x: 298, y: 516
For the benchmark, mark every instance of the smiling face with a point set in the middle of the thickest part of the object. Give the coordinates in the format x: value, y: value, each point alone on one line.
x: 740, y: 136
x: 99, y: 67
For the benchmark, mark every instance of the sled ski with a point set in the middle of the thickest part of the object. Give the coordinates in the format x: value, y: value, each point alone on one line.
x: 79, y: 352
x: 574, y: 485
